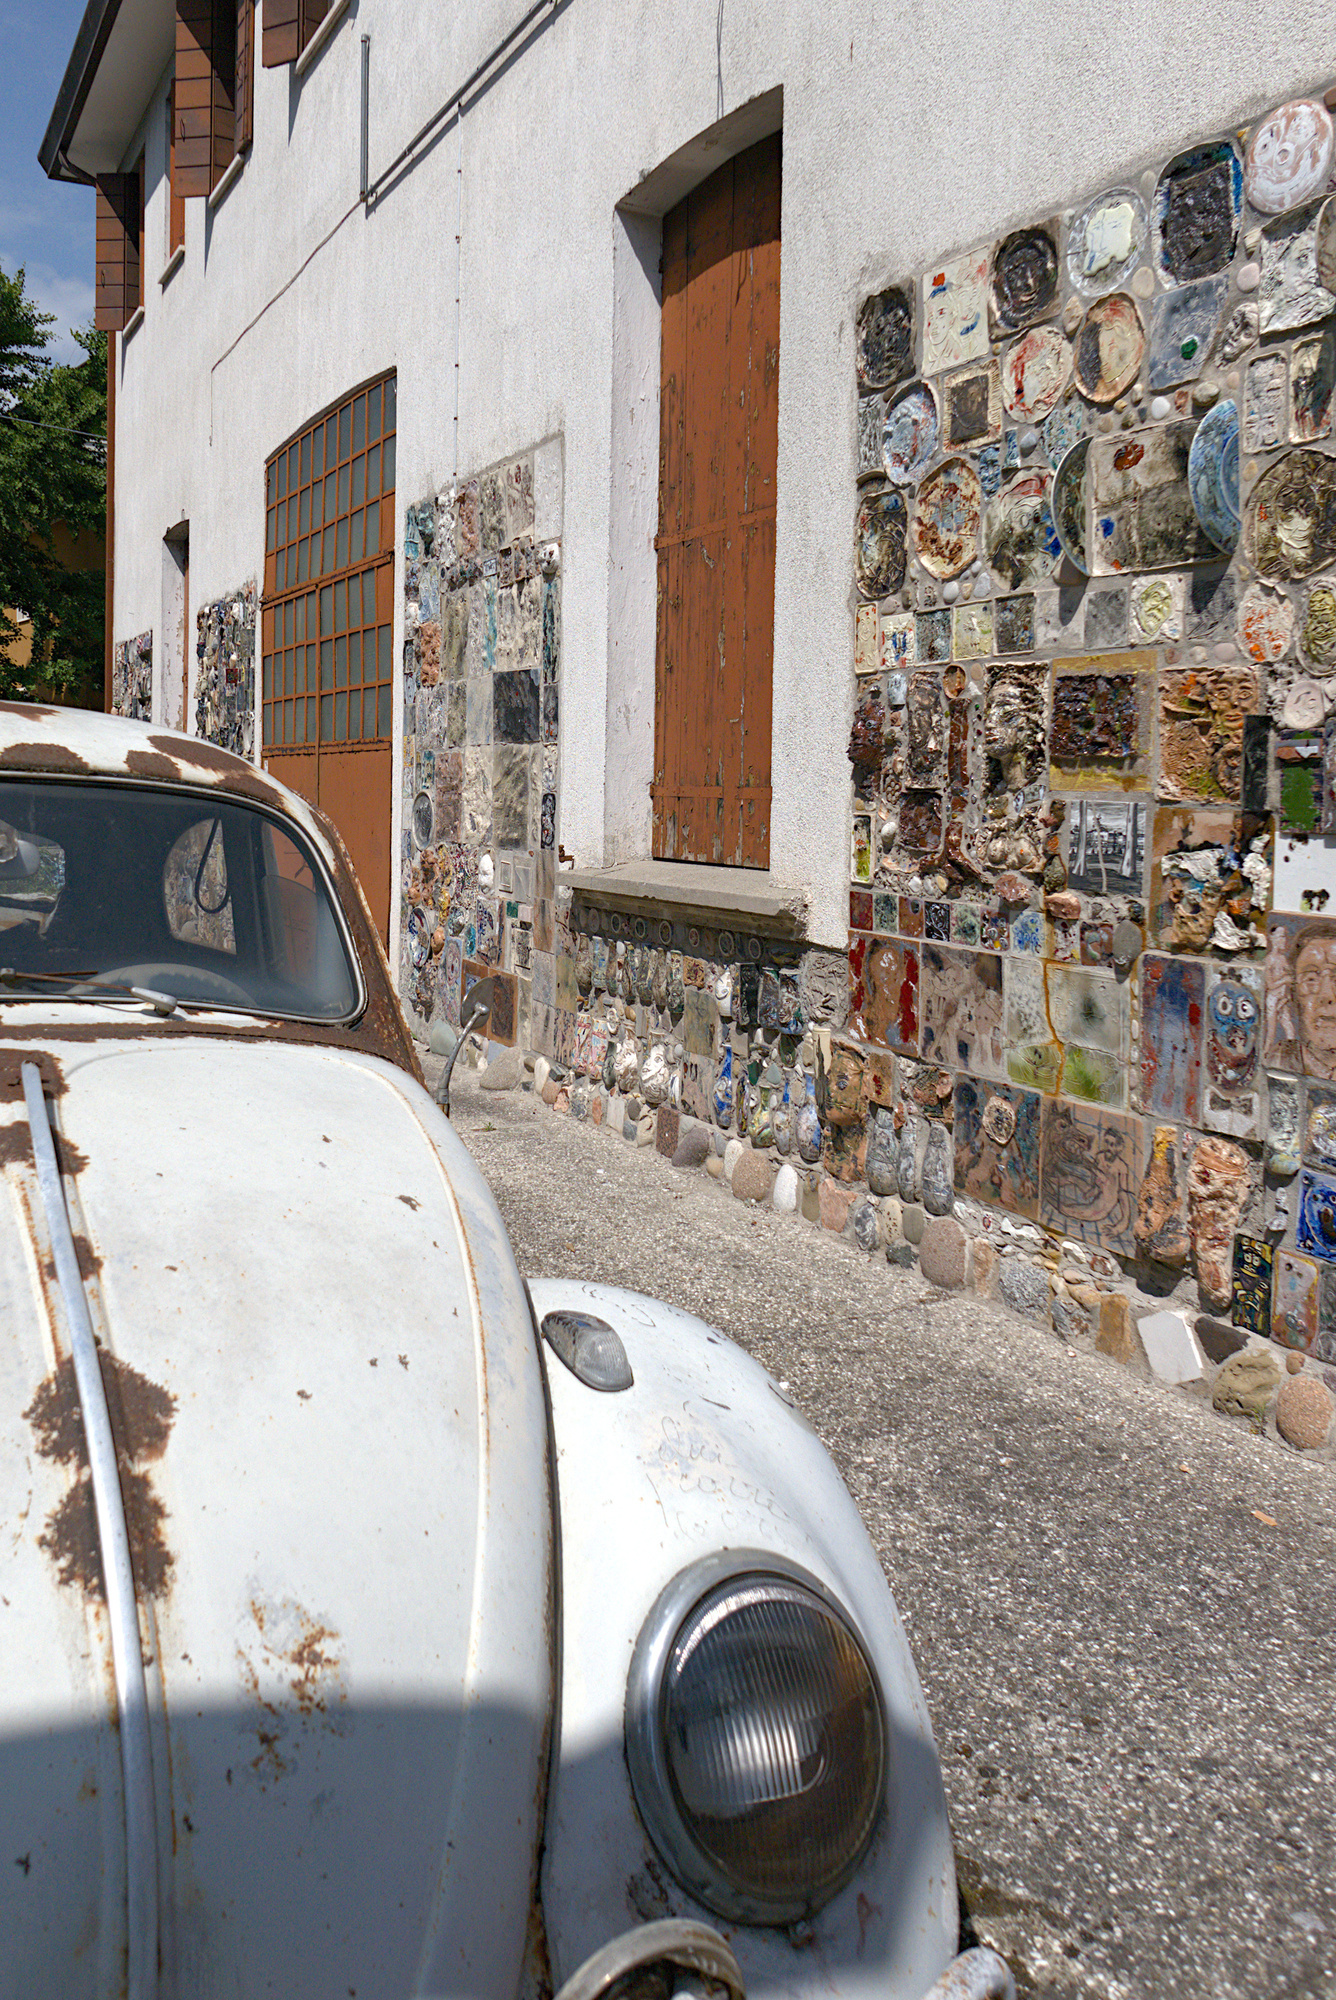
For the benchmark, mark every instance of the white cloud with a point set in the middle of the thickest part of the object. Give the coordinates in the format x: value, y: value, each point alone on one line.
x: 70, y: 299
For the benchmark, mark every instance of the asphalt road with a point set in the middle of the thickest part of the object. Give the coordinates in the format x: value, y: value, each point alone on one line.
x: 1132, y: 1679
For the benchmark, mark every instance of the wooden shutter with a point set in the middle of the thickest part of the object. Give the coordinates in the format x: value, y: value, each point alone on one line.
x: 204, y: 124
x: 244, y: 98
x: 280, y: 32
x: 118, y: 258
x: 718, y: 442
x: 176, y: 219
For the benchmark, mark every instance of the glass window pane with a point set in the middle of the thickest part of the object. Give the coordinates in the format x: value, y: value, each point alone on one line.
x: 372, y: 531
x: 326, y: 718
x: 270, y: 484
x: 298, y: 720
x: 317, y: 451
x: 331, y: 479
x: 359, y: 481
x: 269, y: 532
x: 287, y: 623
x: 340, y: 718
x: 287, y: 673
x: 268, y: 727
x: 345, y: 430
x: 391, y: 397
x: 267, y: 676
x: 368, y: 597
x: 317, y: 506
x: 373, y: 412
x: 369, y: 712
x: 373, y: 472
x: 383, y: 715
x: 280, y: 476
x: 340, y: 663
x: 284, y: 722
x: 387, y: 471
x: 292, y: 468
x: 289, y: 521
x: 354, y: 538
x: 326, y: 663
x: 343, y: 489
x: 341, y: 606
x: 384, y: 637
x: 310, y: 719
x: 303, y: 554
x: 341, y: 546
x: 281, y: 570
x: 327, y: 610
x: 327, y: 555
x: 359, y: 423
x: 306, y: 458
x: 299, y: 618
x: 304, y: 512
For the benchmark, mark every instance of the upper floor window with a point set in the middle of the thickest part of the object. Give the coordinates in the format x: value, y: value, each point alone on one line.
x: 288, y: 27
x: 212, y: 91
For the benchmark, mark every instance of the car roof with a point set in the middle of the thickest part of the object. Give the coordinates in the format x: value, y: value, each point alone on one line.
x: 77, y: 742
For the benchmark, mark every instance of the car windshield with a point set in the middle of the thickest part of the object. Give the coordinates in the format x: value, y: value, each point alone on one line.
x: 214, y: 903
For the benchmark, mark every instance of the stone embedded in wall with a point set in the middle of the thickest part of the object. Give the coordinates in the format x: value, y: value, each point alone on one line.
x: 132, y: 678
x: 225, y: 682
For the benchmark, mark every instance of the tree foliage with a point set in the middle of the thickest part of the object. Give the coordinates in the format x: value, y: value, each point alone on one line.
x: 53, y: 495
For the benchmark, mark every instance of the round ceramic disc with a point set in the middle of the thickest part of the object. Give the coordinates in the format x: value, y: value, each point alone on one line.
x: 910, y: 436
x: 1068, y: 504
x: 1018, y: 532
x: 1109, y: 345
x: 1213, y: 474
x: 879, y: 550
x: 1289, y: 156
x: 1292, y: 516
x: 1035, y: 372
x: 947, y: 515
x: 1105, y: 243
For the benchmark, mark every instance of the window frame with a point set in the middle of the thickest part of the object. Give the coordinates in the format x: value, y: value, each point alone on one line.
x: 307, y: 632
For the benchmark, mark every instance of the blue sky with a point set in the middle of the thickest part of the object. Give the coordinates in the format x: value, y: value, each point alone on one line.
x: 45, y: 225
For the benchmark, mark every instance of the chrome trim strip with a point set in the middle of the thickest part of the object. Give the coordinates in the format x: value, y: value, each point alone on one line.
x: 141, y: 1844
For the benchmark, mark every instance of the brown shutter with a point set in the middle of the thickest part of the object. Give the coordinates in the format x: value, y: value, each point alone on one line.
x: 118, y: 222
x: 281, y: 30
x: 245, y: 91
x: 222, y: 98
x: 194, y: 96
x: 718, y: 443
x: 313, y: 13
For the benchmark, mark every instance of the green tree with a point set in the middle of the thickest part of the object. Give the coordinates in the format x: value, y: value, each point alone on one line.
x: 53, y: 425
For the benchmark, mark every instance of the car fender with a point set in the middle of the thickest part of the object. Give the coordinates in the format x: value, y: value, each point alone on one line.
x: 705, y: 1453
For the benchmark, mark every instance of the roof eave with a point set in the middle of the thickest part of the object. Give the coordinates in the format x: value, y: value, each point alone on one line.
x: 89, y: 46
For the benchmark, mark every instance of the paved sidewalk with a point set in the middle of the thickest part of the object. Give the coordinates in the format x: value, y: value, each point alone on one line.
x: 1132, y: 1677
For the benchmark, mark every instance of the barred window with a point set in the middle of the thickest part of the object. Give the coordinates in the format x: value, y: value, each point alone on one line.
x: 328, y: 611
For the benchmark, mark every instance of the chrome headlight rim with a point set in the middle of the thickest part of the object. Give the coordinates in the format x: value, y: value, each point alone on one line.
x: 646, y: 1758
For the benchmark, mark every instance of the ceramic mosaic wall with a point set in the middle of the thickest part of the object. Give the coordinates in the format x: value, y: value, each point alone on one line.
x: 225, y: 691
x: 1094, y: 658
x: 132, y: 678
x: 482, y: 656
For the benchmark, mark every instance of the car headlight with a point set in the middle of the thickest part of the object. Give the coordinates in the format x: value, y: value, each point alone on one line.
x: 755, y: 1737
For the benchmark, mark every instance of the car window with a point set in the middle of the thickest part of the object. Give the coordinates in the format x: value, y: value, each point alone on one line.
x: 195, y: 891
x: 219, y: 903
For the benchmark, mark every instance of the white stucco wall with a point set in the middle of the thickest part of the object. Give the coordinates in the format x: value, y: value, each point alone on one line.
x: 909, y: 131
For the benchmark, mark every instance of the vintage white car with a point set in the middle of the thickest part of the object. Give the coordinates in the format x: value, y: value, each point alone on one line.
x: 372, y: 1624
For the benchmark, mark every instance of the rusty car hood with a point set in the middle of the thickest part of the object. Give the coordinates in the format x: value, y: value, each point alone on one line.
x: 332, y: 1449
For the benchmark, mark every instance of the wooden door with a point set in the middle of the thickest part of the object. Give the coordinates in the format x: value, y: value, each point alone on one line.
x: 327, y: 625
x: 718, y: 443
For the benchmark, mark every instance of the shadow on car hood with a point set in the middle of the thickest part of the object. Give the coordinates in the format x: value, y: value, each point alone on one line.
x: 330, y: 1431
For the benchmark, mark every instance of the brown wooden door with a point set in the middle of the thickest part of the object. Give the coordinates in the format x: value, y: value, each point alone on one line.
x: 328, y: 624
x: 718, y: 443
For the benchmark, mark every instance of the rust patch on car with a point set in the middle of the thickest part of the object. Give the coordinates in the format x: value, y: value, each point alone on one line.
x: 152, y: 764
x: 90, y: 1263
x: 141, y: 1414
x: 43, y: 757
x: 29, y: 711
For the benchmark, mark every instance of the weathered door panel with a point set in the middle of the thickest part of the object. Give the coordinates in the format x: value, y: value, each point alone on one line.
x: 355, y: 792
x: 716, y: 542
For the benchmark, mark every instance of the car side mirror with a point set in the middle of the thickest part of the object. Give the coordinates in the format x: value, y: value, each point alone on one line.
x: 474, y: 1011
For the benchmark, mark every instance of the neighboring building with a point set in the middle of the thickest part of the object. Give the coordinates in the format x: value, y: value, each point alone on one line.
x: 86, y: 552
x: 539, y: 513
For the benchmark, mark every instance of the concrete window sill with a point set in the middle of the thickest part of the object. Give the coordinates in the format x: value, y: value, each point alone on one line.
x: 173, y: 264
x: 227, y: 180
x: 322, y: 34
x: 133, y: 324
x: 745, y: 896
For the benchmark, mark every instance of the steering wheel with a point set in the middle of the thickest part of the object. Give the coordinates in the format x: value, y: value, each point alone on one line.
x: 197, y: 983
